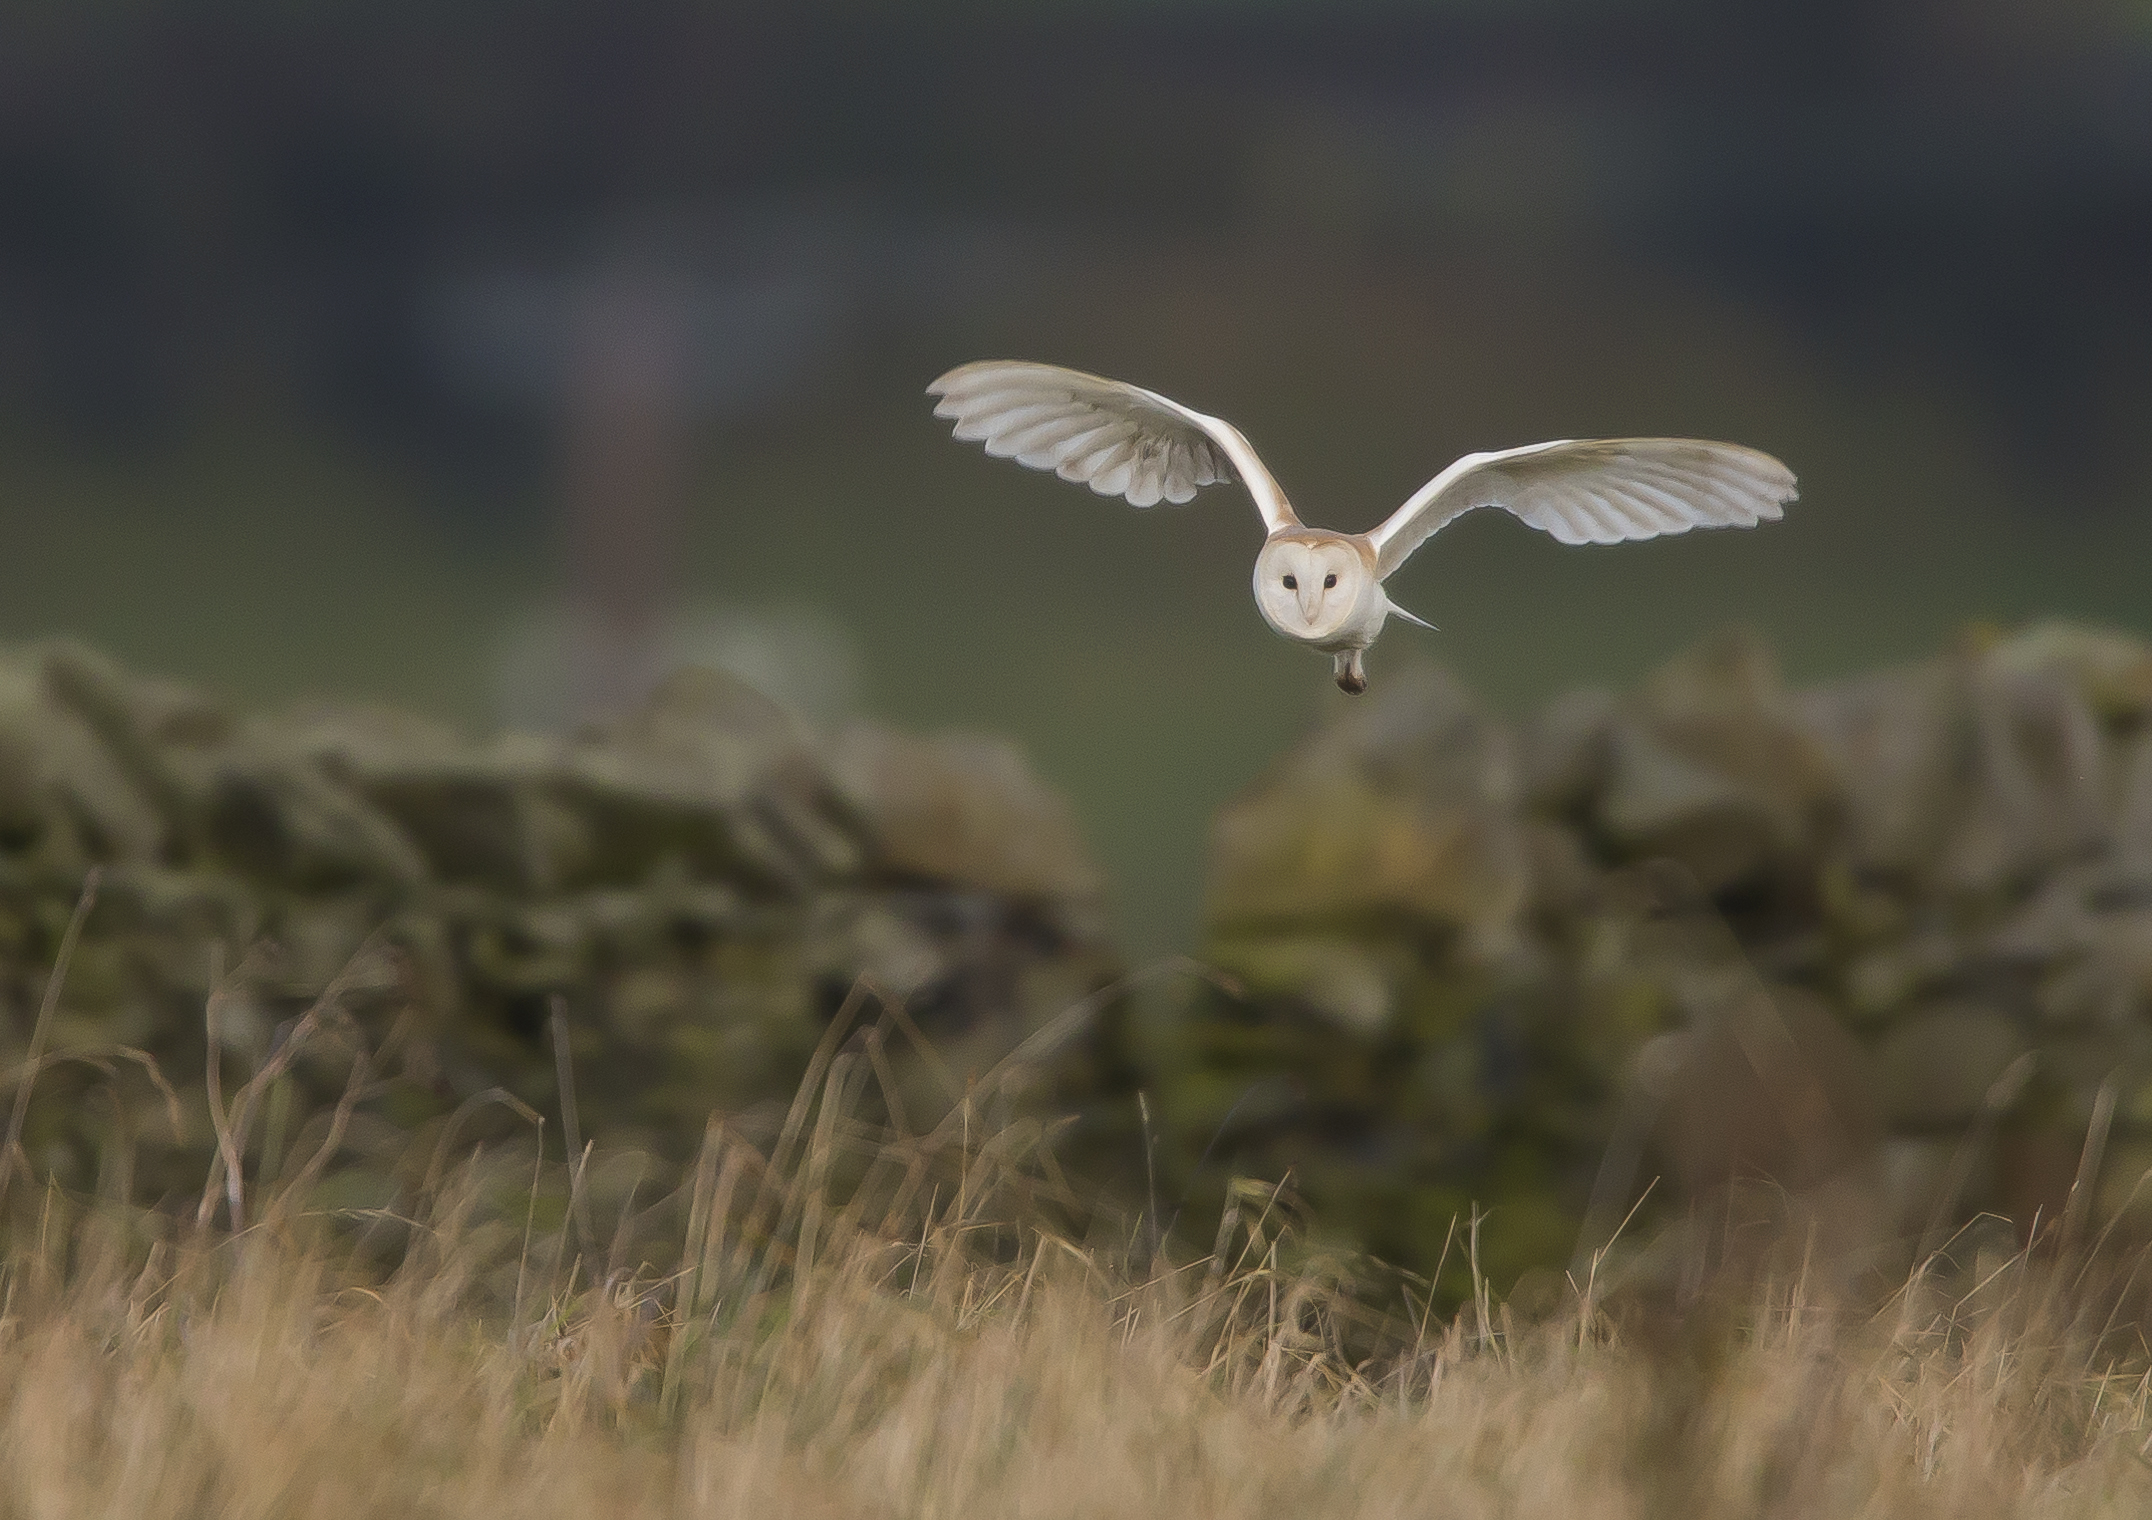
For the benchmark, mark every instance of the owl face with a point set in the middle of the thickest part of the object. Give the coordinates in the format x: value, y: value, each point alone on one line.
x: 1318, y: 587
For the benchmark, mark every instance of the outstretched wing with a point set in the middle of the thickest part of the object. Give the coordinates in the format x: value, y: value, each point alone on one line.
x: 1597, y: 491
x: 1120, y: 440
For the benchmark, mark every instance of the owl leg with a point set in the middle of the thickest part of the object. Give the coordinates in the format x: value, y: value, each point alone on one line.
x: 1351, y: 674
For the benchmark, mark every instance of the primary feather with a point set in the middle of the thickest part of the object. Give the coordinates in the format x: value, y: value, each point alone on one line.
x: 1118, y: 439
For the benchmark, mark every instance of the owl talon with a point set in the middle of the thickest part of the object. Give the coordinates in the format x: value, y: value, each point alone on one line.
x: 1351, y: 674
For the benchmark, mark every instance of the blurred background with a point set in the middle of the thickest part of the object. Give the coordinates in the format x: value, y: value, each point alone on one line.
x: 492, y: 360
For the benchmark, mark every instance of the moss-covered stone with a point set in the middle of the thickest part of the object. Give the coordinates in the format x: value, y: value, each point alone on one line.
x: 1715, y: 930
x: 696, y: 887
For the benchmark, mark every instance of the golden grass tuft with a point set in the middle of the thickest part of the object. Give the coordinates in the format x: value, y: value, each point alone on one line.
x: 848, y: 1319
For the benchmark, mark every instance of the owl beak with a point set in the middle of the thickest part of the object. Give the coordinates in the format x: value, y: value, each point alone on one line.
x: 1311, y: 601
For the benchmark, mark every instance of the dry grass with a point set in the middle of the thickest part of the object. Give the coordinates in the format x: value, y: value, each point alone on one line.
x: 852, y: 1320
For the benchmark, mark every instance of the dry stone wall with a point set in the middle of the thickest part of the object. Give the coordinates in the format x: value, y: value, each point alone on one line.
x: 1713, y: 931
x: 1879, y: 946
x: 699, y: 886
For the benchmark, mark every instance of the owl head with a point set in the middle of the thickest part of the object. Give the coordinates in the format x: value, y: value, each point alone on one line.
x: 1311, y: 585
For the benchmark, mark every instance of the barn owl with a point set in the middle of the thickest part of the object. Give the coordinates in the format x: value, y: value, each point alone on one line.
x: 1323, y: 588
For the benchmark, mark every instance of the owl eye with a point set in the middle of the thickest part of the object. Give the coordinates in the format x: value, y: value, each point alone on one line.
x: 1329, y: 581
x: 1291, y: 584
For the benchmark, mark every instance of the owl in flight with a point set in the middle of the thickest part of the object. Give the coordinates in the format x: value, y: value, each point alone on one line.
x: 1323, y: 588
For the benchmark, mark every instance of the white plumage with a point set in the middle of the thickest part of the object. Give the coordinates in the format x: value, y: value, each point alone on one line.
x: 1324, y: 588
x: 1121, y: 440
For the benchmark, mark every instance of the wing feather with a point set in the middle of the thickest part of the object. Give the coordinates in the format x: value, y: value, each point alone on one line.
x: 1597, y: 491
x: 1084, y: 438
x: 1648, y: 505
x: 1103, y: 454
x: 1042, y: 433
x: 1116, y: 472
x: 1119, y: 439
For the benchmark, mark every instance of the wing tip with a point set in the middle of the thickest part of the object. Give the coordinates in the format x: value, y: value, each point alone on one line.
x: 1772, y: 504
x: 953, y: 379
